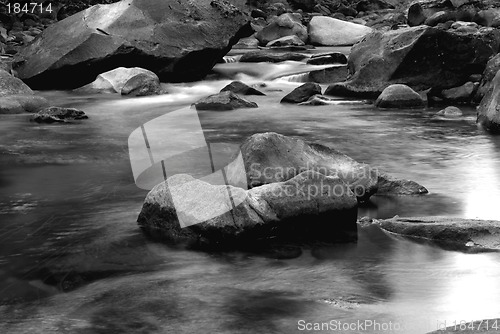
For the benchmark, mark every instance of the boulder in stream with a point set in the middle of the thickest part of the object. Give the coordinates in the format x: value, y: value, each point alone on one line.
x: 450, y: 111
x: 286, y: 41
x: 302, y: 93
x: 58, y: 115
x: 285, y: 25
x: 239, y: 87
x: 327, y: 31
x: 399, y: 96
x: 177, y: 40
x: 488, y: 112
x: 226, y: 100
x: 16, y: 97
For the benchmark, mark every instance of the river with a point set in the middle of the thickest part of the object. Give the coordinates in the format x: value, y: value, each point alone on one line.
x: 72, y: 258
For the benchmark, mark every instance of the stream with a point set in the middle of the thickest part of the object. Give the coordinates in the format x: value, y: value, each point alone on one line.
x: 73, y: 260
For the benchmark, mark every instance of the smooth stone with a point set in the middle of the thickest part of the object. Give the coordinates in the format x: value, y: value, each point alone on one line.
x: 142, y: 85
x: 239, y: 87
x: 328, y: 31
x: 302, y: 93
x: 460, y: 94
x: 247, y: 43
x: 450, y: 112
x: 224, y: 101
x: 399, y: 96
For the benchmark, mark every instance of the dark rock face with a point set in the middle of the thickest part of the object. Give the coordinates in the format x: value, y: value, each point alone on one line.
x: 239, y: 87
x: 302, y: 93
x: 329, y: 75
x: 262, y: 56
x: 399, y: 96
x: 16, y: 97
x: 58, y: 115
x: 388, y: 185
x: 420, y: 57
x: 492, y: 67
x: 279, y: 212
x: 416, y: 15
x: 271, y: 157
x: 178, y: 40
x: 488, y: 112
x: 450, y: 233
x: 224, y: 101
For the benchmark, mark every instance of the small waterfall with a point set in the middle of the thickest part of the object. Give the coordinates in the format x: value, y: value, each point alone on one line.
x: 301, y: 77
x: 231, y: 59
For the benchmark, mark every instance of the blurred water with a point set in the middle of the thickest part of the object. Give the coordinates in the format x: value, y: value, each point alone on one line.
x: 73, y: 260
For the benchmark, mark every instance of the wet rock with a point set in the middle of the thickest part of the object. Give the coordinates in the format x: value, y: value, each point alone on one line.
x: 440, y: 17
x: 450, y: 233
x: 318, y: 100
x: 247, y: 43
x: 290, y: 211
x: 114, y: 81
x: 389, y: 185
x: 286, y: 41
x: 16, y: 97
x: 224, y: 101
x: 302, y: 93
x: 142, y: 84
x: 262, y: 56
x: 459, y: 94
x: 416, y: 15
x: 399, y: 96
x: 284, y: 25
x: 178, y: 40
x: 450, y: 112
x: 329, y: 75
x: 326, y: 59
x: 239, y: 87
x: 420, y: 57
x: 271, y: 157
x: 492, y: 67
x: 333, y: 32
x: 488, y: 112
x: 58, y: 115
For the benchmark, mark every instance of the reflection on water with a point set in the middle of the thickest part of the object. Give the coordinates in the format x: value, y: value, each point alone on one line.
x: 68, y: 206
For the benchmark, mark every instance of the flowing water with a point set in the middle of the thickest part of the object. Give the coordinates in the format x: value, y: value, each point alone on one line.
x: 72, y: 258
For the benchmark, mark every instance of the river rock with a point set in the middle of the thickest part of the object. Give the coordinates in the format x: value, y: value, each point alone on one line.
x: 318, y: 100
x: 450, y: 112
x: 371, y: 5
x: 459, y: 94
x: 399, y: 96
x: 113, y: 81
x: 142, y: 84
x: 328, y: 31
x: 58, y: 115
x: 488, y: 112
x: 327, y: 59
x: 263, y: 56
x: 416, y: 15
x: 290, y: 211
x: 489, y: 17
x: 247, y: 43
x: 451, y: 233
x: 271, y: 157
x: 284, y: 25
x: 421, y: 57
x: 492, y: 67
x: 389, y: 185
x: 178, y: 40
x: 329, y: 75
x: 286, y: 41
x: 16, y: 97
x: 239, y: 87
x: 302, y: 93
x: 224, y: 101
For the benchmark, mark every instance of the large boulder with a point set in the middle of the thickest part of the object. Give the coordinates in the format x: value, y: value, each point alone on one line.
x: 16, y: 97
x: 285, y: 25
x: 488, y: 112
x: 451, y: 233
x: 492, y: 67
x: 178, y: 40
x: 420, y: 57
x: 308, y: 207
x: 226, y: 100
x: 399, y: 96
x: 324, y: 30
x: 115, y: 80
x: 271, y: 157
x: 302, y: 93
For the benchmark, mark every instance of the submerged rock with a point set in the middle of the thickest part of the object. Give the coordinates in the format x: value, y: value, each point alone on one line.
x: 302, y: 93
x: 420, y: 57
x: 239, y: 87
x: 488, y: 112
x: 271, y: 157
x: 178, y: 40
x: 224, y: 101
x: 58, y: 115
x: 16, y: 97
x: 388, y: 185
x: 399, y: 96
x: 328, y: 31
x: 115, y: 80
x: 450, y: 112
x: 450, y: 233
x: 228, y: 217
